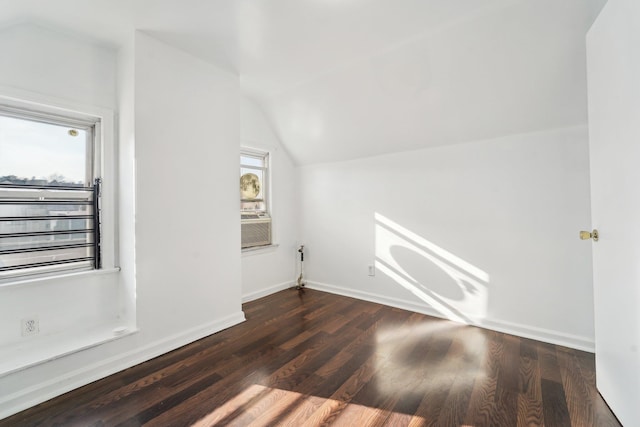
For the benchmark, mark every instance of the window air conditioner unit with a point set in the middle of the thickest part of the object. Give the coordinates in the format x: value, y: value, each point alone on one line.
x: 255, y: 232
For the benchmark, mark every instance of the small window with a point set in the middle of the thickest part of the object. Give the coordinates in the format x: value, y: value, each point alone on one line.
x: 254, y: 199
x: 49, y: 193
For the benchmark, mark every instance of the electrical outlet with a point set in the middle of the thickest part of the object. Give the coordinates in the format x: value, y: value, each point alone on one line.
x: 30, y: 326
x: 372, y: 270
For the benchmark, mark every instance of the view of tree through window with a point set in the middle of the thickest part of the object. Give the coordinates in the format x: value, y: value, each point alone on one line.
x: 254, y: 204
x: 253, y: 184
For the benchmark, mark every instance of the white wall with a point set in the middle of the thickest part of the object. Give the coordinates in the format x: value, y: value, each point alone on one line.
x: 484, y: 233
x: 187, y: 224
x: 180, y: 118
x: 55, y: 64
x: 265, y: 271
x: 126, y: 180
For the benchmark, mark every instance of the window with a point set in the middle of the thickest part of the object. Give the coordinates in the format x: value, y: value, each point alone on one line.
x: 254, y: 199
x: 49, y: 193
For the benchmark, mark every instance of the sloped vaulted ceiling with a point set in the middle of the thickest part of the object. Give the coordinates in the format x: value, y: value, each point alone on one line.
x: 407, y: 80
x: 342, y: 79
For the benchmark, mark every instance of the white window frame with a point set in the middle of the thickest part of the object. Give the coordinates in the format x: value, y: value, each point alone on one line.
x: 266, y: 190
x: 103, y: 166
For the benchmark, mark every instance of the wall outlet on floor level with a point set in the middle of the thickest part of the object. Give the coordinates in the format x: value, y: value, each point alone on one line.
x: 372, y: 270
x: 30, y: 326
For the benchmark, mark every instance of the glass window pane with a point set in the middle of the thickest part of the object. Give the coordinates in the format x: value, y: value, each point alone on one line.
x: 252, y: 207
x: 38, y: 153
x: 246, y: 160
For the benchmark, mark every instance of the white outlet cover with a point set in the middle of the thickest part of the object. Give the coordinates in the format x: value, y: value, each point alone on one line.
x: 30, y: 326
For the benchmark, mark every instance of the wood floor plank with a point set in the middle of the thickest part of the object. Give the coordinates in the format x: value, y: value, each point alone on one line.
x: 549, y: 368
x: 507, y: 387
x: 473, y: 345
x: 333, y: 406
x: 554, y: 403
x: 482, y: 400
x: 576, y: 390
x: 530, y: 397
x: 317, y: 359
x: 433, y: 384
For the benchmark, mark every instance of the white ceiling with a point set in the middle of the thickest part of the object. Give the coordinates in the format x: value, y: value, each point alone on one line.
x: 342, y: 79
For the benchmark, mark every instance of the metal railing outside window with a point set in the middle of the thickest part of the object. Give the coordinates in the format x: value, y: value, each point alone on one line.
x: 44, y: 227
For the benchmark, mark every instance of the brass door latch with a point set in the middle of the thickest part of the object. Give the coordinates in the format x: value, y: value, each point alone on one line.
x: 585, y: 235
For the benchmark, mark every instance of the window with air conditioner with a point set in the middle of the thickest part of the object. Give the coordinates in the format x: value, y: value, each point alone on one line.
x: 49, y: 193
x: 255, y: 217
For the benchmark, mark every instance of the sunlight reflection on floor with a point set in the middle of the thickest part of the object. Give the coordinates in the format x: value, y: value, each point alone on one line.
x: 296, y: 409
x: 427, y: 355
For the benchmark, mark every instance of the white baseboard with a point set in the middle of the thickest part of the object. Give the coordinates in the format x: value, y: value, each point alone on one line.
x: 266, y: 291
x: 526, y: 331
x: 17, y: 401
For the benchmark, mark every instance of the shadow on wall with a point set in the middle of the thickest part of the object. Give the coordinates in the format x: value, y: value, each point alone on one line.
x: 454, y: 288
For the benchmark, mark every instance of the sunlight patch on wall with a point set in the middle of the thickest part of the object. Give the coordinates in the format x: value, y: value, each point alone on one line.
x: 453, y: 287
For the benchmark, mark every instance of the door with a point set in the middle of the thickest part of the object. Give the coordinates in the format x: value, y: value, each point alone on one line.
x: 613, y: 71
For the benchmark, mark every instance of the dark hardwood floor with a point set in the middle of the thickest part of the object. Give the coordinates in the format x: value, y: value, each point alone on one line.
x: 315, y: 359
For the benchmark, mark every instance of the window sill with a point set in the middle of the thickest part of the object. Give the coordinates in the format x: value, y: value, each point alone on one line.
x: 26, y: 280
x: 257, y: 250
x: 38, y: 350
